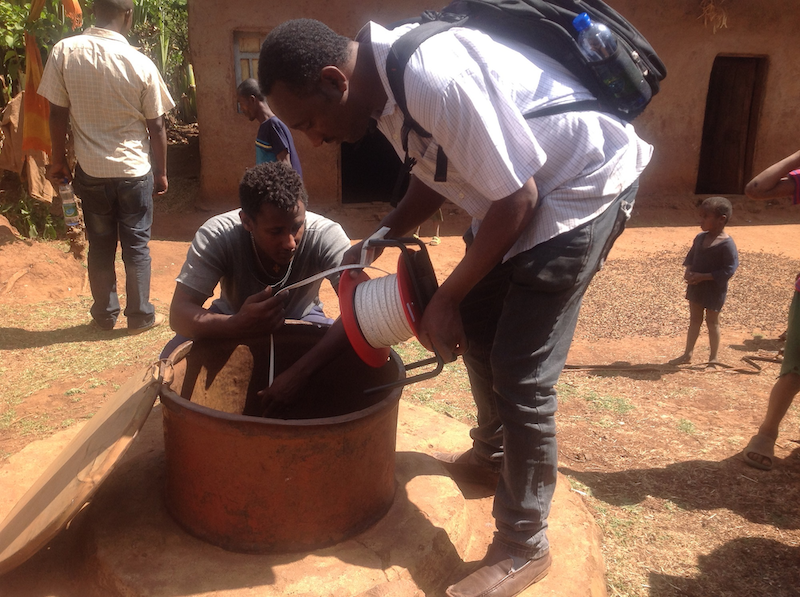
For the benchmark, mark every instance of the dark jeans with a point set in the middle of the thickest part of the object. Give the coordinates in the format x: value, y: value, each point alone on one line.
x: 519, y: 321
x: 118, y: 210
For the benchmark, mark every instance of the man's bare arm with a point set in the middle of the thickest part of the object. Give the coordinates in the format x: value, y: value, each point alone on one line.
x: 504, y: 223
x: 418, y: 204
x: 260, y: 314
x: 774, y: 182
x: 158, y: 148
x: 59, y: 124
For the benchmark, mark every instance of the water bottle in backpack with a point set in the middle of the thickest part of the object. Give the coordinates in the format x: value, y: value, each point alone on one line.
x: 614, y: 68
x: 69, y: 204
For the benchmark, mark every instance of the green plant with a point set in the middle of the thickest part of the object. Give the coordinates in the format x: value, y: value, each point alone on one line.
x: 620, y: 406
x: 31, y: 217
x: 161, y: 30
x: 49, y: 28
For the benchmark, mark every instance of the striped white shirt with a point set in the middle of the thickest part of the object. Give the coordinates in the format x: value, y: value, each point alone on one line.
x: 470, y: 93
x: 111, y: 89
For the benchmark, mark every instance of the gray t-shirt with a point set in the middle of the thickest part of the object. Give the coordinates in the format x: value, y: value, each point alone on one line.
x: 222, y: 252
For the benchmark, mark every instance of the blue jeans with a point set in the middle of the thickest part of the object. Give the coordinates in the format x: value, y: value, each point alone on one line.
x: 118, y: 210
x: 519, y: 322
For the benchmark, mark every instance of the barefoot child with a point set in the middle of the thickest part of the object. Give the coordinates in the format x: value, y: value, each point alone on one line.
x: 711, y: 262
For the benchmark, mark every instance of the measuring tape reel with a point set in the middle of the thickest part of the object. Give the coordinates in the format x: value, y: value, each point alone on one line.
x: 379, y: 313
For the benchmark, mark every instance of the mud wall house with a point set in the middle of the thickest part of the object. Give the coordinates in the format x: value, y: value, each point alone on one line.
x: 729, y: 107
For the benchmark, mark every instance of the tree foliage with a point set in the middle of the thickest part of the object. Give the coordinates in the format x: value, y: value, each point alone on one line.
x: 48, y: 29
x: 161, y: 30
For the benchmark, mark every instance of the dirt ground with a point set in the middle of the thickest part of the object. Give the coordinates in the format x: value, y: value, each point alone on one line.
x: 653, y: 449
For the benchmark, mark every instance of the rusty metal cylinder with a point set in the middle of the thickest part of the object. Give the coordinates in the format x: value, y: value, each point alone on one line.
x: 321, y: 473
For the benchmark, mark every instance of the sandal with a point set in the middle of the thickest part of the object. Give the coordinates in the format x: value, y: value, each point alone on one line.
x: 763, y: 446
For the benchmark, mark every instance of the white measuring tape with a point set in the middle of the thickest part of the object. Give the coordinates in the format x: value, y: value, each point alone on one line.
x: 378, y: 307
x: 380, y: 314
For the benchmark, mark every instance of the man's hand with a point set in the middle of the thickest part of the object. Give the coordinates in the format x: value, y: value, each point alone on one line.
x: 441, y: 328
x: 353, y: 254
x: 288, y: 385
x: 160, y: 184
x: 284, y: 391
x: 59, y: 123
x: 261, y: 313
x: 158, y: 149
x: 59, y: 170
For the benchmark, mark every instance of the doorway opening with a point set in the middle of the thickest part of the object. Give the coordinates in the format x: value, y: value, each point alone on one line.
x: 735, y: 95
x: 369, y: 169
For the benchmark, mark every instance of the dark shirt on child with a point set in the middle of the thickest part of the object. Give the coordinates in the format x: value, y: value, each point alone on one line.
x: 720, y: 260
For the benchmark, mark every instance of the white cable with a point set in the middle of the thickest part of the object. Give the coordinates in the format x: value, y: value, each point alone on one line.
x: 271, y: 360
x: 328, y: 272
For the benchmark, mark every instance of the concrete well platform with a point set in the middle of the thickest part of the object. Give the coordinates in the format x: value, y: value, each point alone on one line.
x: 124, y: 543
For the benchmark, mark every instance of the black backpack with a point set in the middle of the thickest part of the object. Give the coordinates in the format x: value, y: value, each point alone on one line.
x: 540, y: 24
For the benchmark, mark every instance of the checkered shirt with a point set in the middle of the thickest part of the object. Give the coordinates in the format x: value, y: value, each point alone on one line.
x: 110, y: 89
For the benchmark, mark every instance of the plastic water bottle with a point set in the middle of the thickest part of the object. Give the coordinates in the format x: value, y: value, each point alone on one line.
x: 613, y: 66
x: 68, y: 203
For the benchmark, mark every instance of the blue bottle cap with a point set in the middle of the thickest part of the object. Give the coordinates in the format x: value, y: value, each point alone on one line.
x: 581, y: 22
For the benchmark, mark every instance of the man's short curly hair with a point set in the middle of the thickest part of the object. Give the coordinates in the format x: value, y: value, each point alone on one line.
x: 719, y: 206
x: 296, y: 51
x: 106, y: 10
x: 271, y: 183
x: 249, y: 87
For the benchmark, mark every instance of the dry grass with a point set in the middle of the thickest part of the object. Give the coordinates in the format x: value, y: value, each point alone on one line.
x: 680, y: 512
x: 713, y: 14
x: 50, y: 348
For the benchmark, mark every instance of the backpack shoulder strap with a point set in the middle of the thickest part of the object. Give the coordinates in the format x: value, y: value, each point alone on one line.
x: 399, y: 55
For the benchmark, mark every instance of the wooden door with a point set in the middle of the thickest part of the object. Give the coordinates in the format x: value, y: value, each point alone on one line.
x: 729, y: 130
x: 370, y: 168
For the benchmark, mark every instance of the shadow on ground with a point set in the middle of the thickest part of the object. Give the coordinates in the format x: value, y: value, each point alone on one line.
x: 635, y: 371
x: 756, y: 344
x: 751, y: 565
x: 770, y: 498
x: 19, y: 339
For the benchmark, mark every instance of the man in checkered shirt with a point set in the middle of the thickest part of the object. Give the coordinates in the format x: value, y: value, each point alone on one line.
x: 115, y: 100
x: 548, y: 198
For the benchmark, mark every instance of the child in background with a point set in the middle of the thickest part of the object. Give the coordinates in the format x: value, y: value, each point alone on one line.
x: 437, y: 219
x: 710, y: 263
